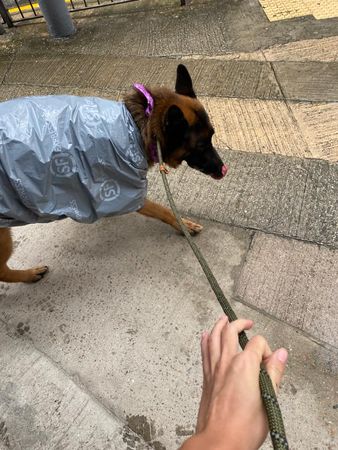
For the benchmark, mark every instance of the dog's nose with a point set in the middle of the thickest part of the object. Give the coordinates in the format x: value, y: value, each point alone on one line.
x: 224, y: 170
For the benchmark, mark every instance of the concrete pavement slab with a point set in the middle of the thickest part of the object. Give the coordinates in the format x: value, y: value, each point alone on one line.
x: 287, y: 196
x: 325, y: 49
x: 306, y: 130
x: 319, y: 126
x: 313, y: 81
x: 121, y: 313
x: 212, y: 77
x: 42, y: 407
x: 294, y: 281
x: 258, y: 126
x: 319, y: 212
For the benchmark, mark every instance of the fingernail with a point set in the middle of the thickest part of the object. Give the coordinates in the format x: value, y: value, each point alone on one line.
x: 282, y: 355
x: 223, y: 317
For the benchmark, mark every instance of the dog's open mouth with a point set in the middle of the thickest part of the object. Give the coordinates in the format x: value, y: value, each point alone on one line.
x: 224, y: 172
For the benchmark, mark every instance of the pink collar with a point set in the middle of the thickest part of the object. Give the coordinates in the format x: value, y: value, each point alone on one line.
x: 148, y: 111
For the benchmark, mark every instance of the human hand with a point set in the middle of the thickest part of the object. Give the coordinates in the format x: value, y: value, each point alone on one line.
x: 231, y: 414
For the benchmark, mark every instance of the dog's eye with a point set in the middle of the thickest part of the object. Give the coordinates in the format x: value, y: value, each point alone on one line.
x: 200, y: 127
x: 202, y: 145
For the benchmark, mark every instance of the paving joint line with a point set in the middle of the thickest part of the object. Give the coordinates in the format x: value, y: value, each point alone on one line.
x: 75, y: 379
x: 259, y: 230
x: 186, y: 57
x: 303, y: 195
x: 65, y: 431
x: 39, y: 85
x: 270, y: 63
x: 303, y: 333
x: 9, y: 67
x: 271, y: 99
x: 288, y: 107
x: 200, y: 95
x: 252, y: 235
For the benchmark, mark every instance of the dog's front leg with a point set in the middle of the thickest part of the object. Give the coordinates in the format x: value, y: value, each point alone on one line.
x: 15, y: 276
x: 151, y: 209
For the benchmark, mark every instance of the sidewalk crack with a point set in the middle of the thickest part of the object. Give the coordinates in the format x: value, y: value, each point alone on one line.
x: 10, y: 65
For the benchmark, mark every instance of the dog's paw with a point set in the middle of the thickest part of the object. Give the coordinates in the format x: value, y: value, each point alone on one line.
x: 36, y: 274
x: 193, y: 227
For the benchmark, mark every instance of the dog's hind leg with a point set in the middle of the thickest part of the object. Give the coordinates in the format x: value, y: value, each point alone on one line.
x: 14, y: 276
x: 159, y: 212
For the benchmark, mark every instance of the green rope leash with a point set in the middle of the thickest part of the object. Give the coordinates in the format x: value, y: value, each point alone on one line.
x: 275, y: 420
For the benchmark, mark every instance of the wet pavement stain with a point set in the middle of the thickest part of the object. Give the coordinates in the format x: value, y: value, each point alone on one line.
x: 140, y: 425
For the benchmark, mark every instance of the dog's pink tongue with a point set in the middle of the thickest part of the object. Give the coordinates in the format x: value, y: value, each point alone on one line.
x: 224, y: 170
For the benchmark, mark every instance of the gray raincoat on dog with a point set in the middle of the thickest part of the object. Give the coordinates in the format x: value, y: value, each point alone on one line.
x: 66, y: 156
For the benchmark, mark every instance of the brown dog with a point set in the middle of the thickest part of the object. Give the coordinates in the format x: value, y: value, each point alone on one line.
x: 181, y: 125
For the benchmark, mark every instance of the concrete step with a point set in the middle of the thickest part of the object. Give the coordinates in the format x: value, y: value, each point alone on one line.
x: 291, y: 197
x: 41, y: 407
x: 307, y: 81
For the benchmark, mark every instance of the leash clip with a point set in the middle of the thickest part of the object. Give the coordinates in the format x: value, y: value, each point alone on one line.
x: 164, y: 169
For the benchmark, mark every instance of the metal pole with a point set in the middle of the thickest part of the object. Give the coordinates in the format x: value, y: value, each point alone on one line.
x: 5, y: 15
x: 57, y: 17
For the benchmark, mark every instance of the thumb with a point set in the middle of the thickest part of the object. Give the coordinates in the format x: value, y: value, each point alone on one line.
x: 275, y: 366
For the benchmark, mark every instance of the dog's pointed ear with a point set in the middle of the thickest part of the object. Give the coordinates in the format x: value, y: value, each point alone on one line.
x: 183, y: 82
x: 175, y: 125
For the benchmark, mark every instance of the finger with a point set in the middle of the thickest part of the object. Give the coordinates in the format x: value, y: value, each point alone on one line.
x: 258, y: 347
x: 275, y: 366
x: 230, y: 336
x: 214, y: 342
x: 205, y: 356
